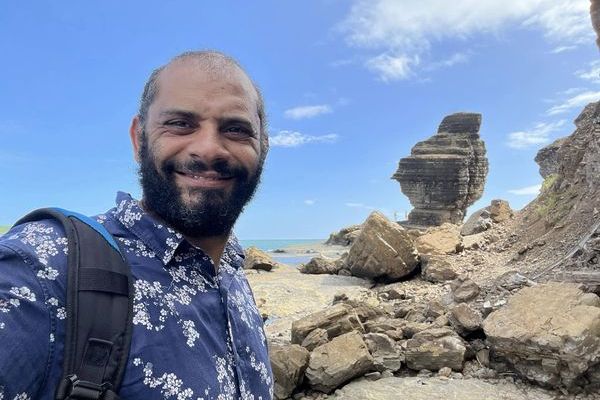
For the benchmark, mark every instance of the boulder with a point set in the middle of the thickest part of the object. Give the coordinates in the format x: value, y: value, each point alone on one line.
x: 288, y: 363
x: 464, y: 319
x: 444, y: 239
x: 258, y: 259
x: 437, y: 269
x: 446, y: 173
x: 345, y: 236
x: 320, y: 265
x: 344, y: 358
x: 382, y: 251
x: 315, y: 338
x: 435, y: 348
x: 500, y: 211
x: 464, y: 290
x: 416, y: 388
x: 384, y: 352
x: 549, y: 333
x: 336, y: 320
x: 478, y: 222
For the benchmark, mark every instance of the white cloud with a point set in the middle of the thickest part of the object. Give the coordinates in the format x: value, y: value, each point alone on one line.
x: 539, y: 134
x: 591, y: 74
x: 309, y: 202
x: 295, y: 139
x: 562, y: 49
x: 403, y: 31
x: 307, y: 111
x: 392, y: 68
x: 527, y: 191
x: 576, y: 101
x: 456, y: 58
x: 562, y: 20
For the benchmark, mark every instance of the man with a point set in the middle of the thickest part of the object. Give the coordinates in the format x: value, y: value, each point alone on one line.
x: 200, y: 141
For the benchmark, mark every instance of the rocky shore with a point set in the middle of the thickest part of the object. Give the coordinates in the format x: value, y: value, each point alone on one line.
x: 502, y: 306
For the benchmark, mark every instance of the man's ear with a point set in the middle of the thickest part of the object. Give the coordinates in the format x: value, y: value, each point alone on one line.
x: 135, y: 134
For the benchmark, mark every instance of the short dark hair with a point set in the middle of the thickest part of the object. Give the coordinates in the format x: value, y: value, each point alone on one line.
x: 216, y: 60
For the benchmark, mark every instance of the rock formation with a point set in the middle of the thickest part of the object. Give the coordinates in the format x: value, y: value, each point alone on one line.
x: 446, y: 173
x: 345, y: 236
x: 547, y: 158
x: 382, y: 251
x: 338, y: 361
x: 481, y: 220
x: 550, y: 333
x: 289, y: 363
x: 258, y: 259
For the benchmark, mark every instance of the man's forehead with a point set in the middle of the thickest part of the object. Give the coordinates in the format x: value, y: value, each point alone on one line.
x: 188, y: 71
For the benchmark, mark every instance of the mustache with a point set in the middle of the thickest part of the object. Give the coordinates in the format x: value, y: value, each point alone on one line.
x: 221, y: 167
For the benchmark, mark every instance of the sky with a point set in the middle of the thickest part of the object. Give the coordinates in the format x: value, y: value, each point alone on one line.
x: 350, y: 86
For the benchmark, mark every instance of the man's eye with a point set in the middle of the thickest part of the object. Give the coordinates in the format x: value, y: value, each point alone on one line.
x: 178, y: 123
x: 238, y: 131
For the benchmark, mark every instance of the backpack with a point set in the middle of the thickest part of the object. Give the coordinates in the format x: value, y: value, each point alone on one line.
x: 99, y: 308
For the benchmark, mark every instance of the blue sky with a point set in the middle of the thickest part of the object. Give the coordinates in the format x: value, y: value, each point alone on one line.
x: 350, y: 87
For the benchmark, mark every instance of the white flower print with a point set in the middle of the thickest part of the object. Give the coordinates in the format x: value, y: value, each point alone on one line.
x: 136, y: 247
x: 225, y: 377
x: 171, y: 248
x: 45, y: 243
x: 6, y: 306
x: 128, y: 212
x: 259, y: 367
x: 186, y: 283
x: 169, y: 384
x: 61, y: 313
x: 101, y: 219
x: 54, y: 305
x: 23, y: 292
x: 190, y: 332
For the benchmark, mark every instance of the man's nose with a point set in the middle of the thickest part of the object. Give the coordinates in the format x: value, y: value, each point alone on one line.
x: 208, y: 145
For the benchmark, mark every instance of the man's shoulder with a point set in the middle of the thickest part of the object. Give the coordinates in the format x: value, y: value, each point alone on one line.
x: 45, y: 238
x: 40, y: 244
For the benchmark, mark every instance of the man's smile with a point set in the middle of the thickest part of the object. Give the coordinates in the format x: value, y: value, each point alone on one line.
x: 205, y: 179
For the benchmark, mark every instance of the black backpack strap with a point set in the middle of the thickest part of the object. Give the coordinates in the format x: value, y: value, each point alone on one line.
x: 99, y: 308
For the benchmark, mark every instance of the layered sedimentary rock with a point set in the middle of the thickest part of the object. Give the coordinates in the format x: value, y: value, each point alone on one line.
x: 344, y: 358
x: 382, y: 251
x: 547, y: 158
x: 446, y: 173
x: 549, y: 333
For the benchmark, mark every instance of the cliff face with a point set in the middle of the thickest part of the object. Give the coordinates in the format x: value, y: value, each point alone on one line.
x: 566, y: 214
x: 446, y: 173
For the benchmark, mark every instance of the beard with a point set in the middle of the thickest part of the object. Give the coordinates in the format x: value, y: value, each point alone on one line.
x: 211, y: 212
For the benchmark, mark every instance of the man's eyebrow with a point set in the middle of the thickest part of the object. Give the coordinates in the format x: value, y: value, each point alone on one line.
x: 179, y: 113
x: 235, y: 120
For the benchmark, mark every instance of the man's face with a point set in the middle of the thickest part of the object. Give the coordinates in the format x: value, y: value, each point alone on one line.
x: 199, y: 150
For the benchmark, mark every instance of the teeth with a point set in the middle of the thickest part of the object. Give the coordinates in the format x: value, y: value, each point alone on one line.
x: 204, y: 177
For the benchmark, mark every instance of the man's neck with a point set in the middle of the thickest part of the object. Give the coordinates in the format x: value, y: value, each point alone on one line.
x: 213, y: 246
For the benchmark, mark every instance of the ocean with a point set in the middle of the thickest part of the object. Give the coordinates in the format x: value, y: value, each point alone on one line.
x: 269, y: 245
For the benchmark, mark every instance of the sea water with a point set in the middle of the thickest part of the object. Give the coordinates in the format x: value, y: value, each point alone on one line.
x: 270, y: 245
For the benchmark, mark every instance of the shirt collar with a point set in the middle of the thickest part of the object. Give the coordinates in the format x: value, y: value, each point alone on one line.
x: 162, y: 239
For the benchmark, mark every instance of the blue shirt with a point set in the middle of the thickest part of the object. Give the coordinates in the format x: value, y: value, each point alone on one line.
x: 197, y: 334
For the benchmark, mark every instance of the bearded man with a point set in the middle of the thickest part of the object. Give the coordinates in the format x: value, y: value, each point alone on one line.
x: 200, y: 140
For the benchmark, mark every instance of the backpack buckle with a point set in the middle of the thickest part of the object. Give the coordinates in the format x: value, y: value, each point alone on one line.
x: 73, y: 388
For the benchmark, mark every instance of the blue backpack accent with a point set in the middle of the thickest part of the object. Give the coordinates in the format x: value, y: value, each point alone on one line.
x: 99, y: 308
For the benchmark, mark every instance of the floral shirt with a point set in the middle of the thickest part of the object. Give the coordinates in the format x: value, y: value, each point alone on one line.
x: 197, y: 334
